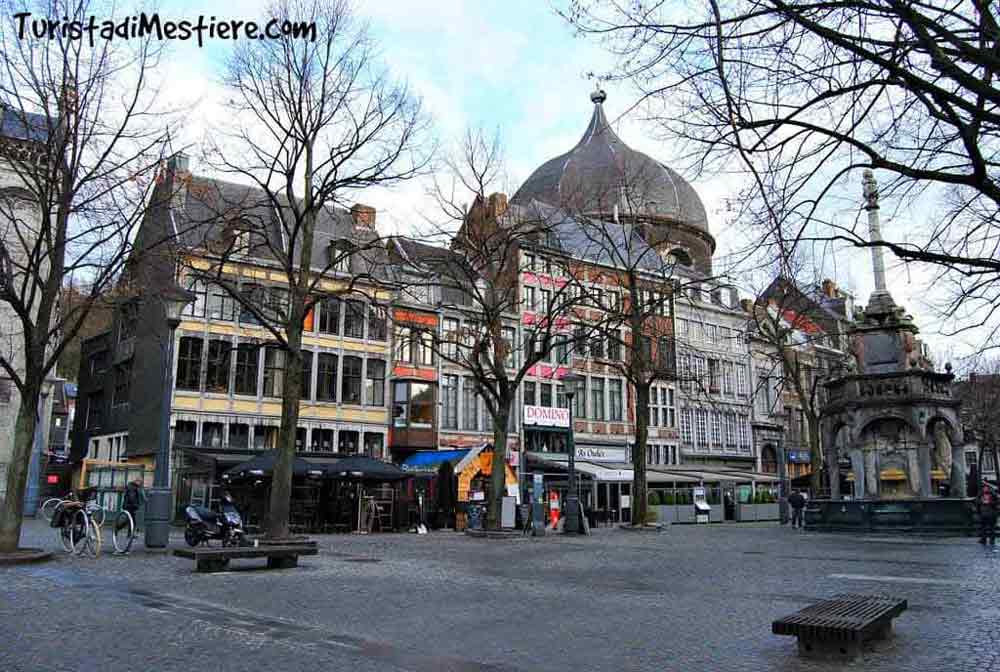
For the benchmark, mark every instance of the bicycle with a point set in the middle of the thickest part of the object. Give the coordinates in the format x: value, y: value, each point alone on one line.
x: 79, y: 533
x: 123, y: 532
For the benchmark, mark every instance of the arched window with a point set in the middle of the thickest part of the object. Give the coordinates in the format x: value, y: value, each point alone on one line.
x: 769, y: 460
x: 679, y: 257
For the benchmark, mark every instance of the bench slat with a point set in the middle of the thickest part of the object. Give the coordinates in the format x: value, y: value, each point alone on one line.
x: 243, y: 552
x: 842, y: 618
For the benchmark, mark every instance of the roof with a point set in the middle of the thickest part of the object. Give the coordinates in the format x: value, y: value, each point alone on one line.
x: 207, y: 205
x: 589, y: 178
x: 23, y: 125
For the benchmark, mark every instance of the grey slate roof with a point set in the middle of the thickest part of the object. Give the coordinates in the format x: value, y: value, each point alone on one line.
x: 589, y: 179
x: 207, y: 204
x: 23, y: 126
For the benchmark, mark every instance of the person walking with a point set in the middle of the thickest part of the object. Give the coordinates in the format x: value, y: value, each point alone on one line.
x: 987, y: 513
x: 135, y: 497
x: 798, y: 503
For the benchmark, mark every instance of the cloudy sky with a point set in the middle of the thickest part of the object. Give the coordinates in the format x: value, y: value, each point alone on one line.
x: 512, y: 64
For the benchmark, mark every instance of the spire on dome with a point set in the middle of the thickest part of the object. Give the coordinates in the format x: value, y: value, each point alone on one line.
x: 598, y: 95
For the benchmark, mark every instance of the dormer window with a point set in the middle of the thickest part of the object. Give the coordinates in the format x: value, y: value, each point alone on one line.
x: 340, y: 252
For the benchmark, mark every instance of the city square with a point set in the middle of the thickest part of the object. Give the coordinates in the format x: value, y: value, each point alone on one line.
x: 688, y: 598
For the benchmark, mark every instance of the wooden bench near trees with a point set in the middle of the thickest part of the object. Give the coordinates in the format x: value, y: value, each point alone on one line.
x: 217, y: 559
x: 836, y: 628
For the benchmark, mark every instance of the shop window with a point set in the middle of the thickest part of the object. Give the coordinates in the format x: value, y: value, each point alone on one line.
x: 375, y: 445
x: 265, y: 437
x: 217, y: 368
x: 322, y: 440
x: 189, y: 364
x: 347, y: 442
x: 375, y: 383
x: 184, y: 432
x: 247, y: 357
x: 239, y: 435
x: 211, y: 434
x: 350, y: 392
x: 326, y: 377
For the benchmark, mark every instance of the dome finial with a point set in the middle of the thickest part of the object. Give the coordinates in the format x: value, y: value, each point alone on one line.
x: 598, y: 95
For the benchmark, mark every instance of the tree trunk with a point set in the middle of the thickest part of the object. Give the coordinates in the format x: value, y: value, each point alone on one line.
x: 816, y: 458
x: 498, y: 472
x: 17, y: 473
x: 281, y: 479
x: 639, y: 487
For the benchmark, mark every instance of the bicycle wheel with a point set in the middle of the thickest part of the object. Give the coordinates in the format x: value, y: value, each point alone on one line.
x: 97, y: 514
x: 94, y: 539
x: 49, y: 508
x: 65, y: 533
x: 123, y: 532
x: 78, y: 526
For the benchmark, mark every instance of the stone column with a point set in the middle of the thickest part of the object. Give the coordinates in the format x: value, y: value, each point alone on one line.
x: 858, y: 465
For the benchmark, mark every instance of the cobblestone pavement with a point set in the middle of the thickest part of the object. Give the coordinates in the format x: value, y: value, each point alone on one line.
x: 691, y: 598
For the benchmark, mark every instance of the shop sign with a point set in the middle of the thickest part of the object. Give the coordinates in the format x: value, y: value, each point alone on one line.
x: 600, y: 454
x: 546, y: 416
x: 799, y: 456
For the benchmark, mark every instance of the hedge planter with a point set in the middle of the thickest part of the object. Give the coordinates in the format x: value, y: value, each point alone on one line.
x: 748, y: 513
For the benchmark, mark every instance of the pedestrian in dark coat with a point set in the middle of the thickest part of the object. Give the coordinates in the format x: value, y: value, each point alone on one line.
x: 798, y: 503
x: 987, y: 513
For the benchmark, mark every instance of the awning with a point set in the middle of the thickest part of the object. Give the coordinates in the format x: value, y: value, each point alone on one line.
x: 428, y: 461
x: 755, y: 476
x: 364, y: 468
x: 663, y: 476
x: 222, y: 459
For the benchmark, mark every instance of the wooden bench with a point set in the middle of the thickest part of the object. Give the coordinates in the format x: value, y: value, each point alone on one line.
x: 217, y: 559
x: 836, y: 628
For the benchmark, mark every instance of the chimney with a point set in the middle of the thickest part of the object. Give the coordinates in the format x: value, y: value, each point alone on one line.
x: 830, y: 289
x: 746, y: 305
x: 497, y: 205
x: 363, y: 217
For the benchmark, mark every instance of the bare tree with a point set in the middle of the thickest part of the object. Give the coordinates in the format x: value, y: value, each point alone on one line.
x: 81, y: 136
x: 478, y: 275
x: 805, y: 95
x: 313, y: 122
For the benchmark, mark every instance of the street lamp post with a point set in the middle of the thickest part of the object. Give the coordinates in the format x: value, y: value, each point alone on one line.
x: 572, y: 524
x: 174, y: 300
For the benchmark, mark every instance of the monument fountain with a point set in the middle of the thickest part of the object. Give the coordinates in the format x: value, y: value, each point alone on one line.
x: 890, y: 428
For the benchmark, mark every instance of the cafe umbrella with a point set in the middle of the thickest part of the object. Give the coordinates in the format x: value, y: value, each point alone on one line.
x: 263, y: 465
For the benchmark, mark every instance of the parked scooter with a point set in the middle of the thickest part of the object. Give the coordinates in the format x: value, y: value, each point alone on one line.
x: 204, y: 524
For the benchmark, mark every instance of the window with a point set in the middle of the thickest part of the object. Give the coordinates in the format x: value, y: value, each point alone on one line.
x: 221, y: 305
x: 129, y: 321
x: 347, y: 441
x: 728, y: 378
x: 185, y: 432
x: 254, y: 295
x: 6, y: 390
x: 562, y: 348
x: 597, y: 398
x: 545, y: 399
x: 239, y: 435
x: 701, y: 427
x: 197, y: 307
x: 744, y: 433
x: 265, y: 437
x: 714, y: 376
x: 217, y: 369
x: 95, y: 410
x: 580, y: 341
x: 449, y: 399
x: 529, y: 393
x: 401, y: 404
x: 665, y: 354
x: 741, y: 380
x: 322, y: 440
x: 615, y: 400
x: 274, y: 371
x: 376, y: 324
x: 686, y: 434
x: 425, y: 348
x: 189, y: 364
x: 307, y: 369
x: 731, y: 429
x: 354, y: 319
x: 580, y: 399
x: 597, y: 347
x: 350, y: 388
x: 375, y: 445
x: 276, y: 306
x: 329, y: 315
x: 615, y: 345
x: 123, y: 381
x: 470, y: 409
x: 247, y: 357
x: 716, y: 428
x: 404, y: 345
x: 300, y: 438
x: 546, y: 301
x: 671, y: 408
x: 326, y: 377
x: 211, y: 434
x: 375, y: 383
x: 529, y: 298
x: 421, y: 405
x: 510, y: 343
x: 450, y: 338
x: 562, y: 401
